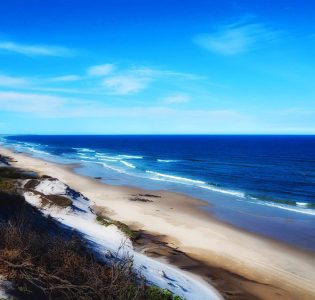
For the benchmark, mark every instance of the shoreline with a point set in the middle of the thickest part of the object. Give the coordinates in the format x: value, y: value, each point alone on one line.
x: 270, y: 268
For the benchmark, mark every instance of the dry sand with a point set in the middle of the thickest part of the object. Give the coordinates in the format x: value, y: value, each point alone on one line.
x: 264, y: 268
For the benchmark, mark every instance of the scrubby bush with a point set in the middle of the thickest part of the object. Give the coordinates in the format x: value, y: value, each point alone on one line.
x: 46, y: 261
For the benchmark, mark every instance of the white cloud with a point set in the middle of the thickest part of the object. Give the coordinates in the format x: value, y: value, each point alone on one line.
x: 40, y: 50
x: 101, y: 70
x: 156, y: 112
x: 125, y: 84
x: 8, y: 81
x: 106, y: 79
x: 157, y: 73
x: 135, y: 79
x: 29, y: 103
x: 176, y: 99
x: 66, y: 78
x: 236, y: 38
x: 55, y: 106
x: 39, y: 108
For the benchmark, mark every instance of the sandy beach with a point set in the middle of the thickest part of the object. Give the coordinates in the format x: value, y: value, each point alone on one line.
x: 265, y: 268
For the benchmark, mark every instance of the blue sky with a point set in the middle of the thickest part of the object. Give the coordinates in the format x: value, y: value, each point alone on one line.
x: 157, y: 66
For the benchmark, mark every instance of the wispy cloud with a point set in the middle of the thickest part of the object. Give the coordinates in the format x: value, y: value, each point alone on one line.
x: 236, y: 38
x: 101, y: 70
x: 45, y: 106
x: 131, y: 80
x: 125, y: 84
x: 34, y: 50
x: 9, y: 81
x: 104, y: 79
x: 29, y: 103
x: 178, y: 98
x: 162, y: 119
x: 37, y: 84
x: 158, y: 73
x: 66, y: 78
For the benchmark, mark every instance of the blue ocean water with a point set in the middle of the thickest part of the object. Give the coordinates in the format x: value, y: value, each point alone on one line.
x: 273, y: 173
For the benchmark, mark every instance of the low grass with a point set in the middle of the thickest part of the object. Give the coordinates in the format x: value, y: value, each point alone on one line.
x: 58, y: 200
x: 7, y: 185
x: 31, y: 184
x: 45, y: 261
x: 132, y: 234
x: 155, y: 293
x: 15, y: 173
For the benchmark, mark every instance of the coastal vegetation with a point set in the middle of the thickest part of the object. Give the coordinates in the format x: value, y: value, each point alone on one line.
x: 132, y: 234
x: 43, y: 260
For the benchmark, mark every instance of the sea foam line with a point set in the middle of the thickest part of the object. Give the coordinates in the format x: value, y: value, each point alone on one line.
x: 84, y: 150
x: 301, y: 210
x: 112, y: 168
x: 38, y: 151
x: 130, y: 156
x: 117, y: 157
x: 127, y: 164
x: 167, y: 160
x: 176, y: 179
x: 197, y: 183
x: 201, y: 184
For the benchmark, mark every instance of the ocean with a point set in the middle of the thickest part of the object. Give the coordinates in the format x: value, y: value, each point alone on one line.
x: 247, y: 179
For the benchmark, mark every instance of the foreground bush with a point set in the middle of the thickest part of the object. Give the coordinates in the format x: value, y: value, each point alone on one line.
x: 44, y: 261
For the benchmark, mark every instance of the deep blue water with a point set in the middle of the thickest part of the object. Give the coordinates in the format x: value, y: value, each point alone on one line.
x: 248, y: 178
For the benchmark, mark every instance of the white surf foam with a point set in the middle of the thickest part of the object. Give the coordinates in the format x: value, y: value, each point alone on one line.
x: 84, y: 155
x: 175, y: 179
x: 224, y: 191
x: 167, y: 160
x: 303, y: 204
x: 108, y: 159
x: 38, y: 151
x: 84, y: 150
x: 130, y: 156
x: 112, y: 168
x: 197, y: 183
x: 127, y: 164
x: 297, y: 209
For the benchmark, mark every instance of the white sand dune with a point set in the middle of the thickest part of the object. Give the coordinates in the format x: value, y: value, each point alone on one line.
x: 109, y: 239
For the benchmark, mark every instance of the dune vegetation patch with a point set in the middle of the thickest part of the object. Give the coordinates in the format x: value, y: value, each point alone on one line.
x: 132, y: 234
x: 48, y: 200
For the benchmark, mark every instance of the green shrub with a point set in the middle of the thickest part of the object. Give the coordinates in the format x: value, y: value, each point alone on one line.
x: 156, y: 293
x: 132, y: 234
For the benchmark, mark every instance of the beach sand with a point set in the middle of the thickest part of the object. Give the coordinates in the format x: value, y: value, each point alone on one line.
x: 264, y: 268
